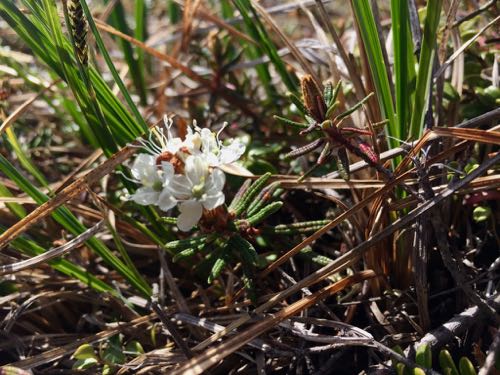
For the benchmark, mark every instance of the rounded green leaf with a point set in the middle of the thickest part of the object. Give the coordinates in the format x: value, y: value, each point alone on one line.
x: 446, y: 363
x: 424, y: 356
x: 481, y: 214
x: 83, y: 364
x: 466, y: 367
x: 85, y: 351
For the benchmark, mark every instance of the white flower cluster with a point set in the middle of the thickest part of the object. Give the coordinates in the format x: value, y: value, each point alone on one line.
x: 183, y: 172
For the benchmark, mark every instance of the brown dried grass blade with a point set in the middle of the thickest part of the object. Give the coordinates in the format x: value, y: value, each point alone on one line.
x: 205, y: 14
x: 477, y: 135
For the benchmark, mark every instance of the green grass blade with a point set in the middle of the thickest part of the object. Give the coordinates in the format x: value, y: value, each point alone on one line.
x: 15, y: 208
x: 368, y: 29
x: 262, y: 71
x: 173, y: 11
x: 37, y: 35
x: 79, y: 119
x: 102, y: 132
x: 424, y: 73
x: 56, y: 53
x: 403, y: 63
x: 253, y: 53
x: 24, y: 159
x: 123, y: 252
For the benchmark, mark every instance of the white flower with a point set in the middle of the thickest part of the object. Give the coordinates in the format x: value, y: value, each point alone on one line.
x: 215, y: 152
x: 197, y: 142
x: 199, y: 188
x: 154, y: 180
x: 183, y: 171
x: 162, y: 142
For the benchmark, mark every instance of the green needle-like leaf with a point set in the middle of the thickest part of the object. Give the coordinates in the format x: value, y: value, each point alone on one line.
x: 424, y: 73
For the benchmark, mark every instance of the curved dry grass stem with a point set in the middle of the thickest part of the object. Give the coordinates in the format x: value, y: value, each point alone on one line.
x: 52, y: 253
x: 464, y: 47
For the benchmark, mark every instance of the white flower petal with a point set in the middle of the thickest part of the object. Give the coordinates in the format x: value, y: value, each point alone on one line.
x: 192, y: 141
x: 168, y: 172
x: 180, y: 187
x: 142, y: 166
x: 145, y: 196
x: 208, y: 141
x: 212, y: 201
x: 191, y: 212
x: 215, y: 182
x: 166, y: 200
x: 229, y: 154
x: 211, y: 159
x: 174, y: 145
x: 196, y: 170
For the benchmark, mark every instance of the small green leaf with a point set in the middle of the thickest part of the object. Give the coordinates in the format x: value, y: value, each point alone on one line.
x: 83, y: 364
x: 85, y: 351
x: 135, y: 348
x: 107, y: 370
x: 466, y: 367
x: 290, y: 122
x: 114, y: 353
x: 399, y: 367
x: 481, y: 213
x: 251, y: 193
x: 450, y: 93
x: 186, y: 244
x: 446, y: 363
x: 217, y: 268
x: 262, y: 198
x: 264, y: 213
x: 184, y: 254
x: 260, y: 166
x: 245, y: 249
x: 169, y: 220
x: 331, y: 109
x: 470, y: 167
x: 423, y: 356
x: 343, y: 163
x: 314, y: 257
x: 328, y: 92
